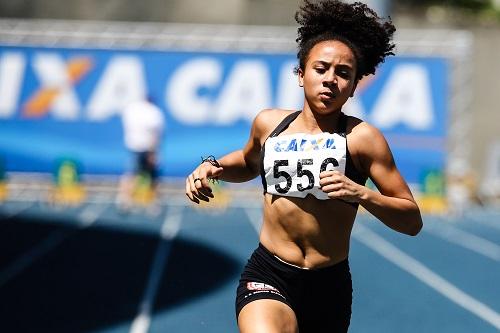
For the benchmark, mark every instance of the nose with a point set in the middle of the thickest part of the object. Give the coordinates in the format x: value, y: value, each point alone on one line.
x: 330, y: 78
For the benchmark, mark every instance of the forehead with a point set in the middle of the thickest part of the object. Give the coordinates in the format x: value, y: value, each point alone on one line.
x: 332, y: 50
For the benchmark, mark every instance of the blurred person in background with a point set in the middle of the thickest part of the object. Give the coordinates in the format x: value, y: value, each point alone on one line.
x: 143, y: 125
x: 314, y: 164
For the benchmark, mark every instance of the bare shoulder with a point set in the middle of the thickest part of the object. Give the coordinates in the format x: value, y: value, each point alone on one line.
x: 360, y: 130
x: 365, y: 140
x: 267, y: 120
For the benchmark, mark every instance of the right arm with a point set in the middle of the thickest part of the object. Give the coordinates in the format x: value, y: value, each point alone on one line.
x: 239, y: 166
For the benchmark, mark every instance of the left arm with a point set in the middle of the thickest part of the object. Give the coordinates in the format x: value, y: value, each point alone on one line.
x: 394, y: 205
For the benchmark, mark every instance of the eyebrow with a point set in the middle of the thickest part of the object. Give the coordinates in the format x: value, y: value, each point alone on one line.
x: 325, y: 63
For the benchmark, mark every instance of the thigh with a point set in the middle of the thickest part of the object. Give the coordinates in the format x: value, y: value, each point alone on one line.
x: 327, y: 305
x: 267, y: 316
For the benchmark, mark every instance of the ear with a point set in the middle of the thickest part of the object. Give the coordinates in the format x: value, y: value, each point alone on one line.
x: 354, y: 87
x: 301, y: 77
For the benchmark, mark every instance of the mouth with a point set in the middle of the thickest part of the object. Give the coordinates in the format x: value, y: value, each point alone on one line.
x: 327, y: 95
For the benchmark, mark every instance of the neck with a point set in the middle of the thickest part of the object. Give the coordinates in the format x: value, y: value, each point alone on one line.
x: 324, y: 122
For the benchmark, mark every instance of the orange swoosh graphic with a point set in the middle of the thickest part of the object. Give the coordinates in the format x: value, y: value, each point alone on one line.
x: 39, y: 103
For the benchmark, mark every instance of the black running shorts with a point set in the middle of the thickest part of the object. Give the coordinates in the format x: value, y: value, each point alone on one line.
x: 321, y: 298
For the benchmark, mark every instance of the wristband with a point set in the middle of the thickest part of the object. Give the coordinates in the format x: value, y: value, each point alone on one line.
x: 211, y: 159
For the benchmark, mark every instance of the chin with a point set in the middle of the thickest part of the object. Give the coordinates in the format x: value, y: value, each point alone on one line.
x: 327, y: 108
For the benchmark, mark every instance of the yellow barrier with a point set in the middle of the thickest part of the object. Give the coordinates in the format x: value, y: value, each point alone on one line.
x: 219, y: 202
x: 432, y: 204
x: 144, y: 193
x: 3, y: 191
x: 69, y: 194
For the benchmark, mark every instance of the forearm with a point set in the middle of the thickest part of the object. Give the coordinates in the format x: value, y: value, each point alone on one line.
x: 236, y: 168
x: 400, y: 214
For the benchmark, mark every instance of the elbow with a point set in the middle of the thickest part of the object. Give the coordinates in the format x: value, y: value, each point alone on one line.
x: 415, y: 228
x: 416, y: 224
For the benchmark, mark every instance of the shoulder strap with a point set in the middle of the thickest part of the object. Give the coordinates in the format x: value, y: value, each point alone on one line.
x: 343, y: 125
x: 284, y: 124
x: 280, y: 128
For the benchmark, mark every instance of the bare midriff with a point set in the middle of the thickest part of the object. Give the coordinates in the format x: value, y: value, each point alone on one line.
x: 307, y: 232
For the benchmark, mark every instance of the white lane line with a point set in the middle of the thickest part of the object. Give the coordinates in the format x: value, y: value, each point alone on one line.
x: 45, y: 246
x: 90, y: 214
x: 42, y: 248
x: 466, y: 240
x: 427, y: 276
x: 491, y: 221
x: 26, y: 259
x: 169, y: 230
x: 17, y: 211
x: 255, y: 218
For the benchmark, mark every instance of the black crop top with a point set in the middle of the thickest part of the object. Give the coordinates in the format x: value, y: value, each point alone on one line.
x: 297, y: 159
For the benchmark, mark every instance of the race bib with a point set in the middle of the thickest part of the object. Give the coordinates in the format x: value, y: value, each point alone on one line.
x: 292, y: 163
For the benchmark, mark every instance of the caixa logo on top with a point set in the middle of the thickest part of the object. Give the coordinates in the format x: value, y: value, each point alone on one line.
x: 215, y: 89
x: 219, y: 92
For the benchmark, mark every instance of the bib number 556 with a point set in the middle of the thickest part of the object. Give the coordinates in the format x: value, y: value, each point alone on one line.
x: 301, y: 172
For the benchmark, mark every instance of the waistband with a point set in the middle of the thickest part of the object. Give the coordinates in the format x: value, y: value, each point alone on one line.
x: 341, y: 266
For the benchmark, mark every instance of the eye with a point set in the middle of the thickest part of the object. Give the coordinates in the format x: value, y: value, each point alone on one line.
x: 344, y: 74
x: 320, y: 70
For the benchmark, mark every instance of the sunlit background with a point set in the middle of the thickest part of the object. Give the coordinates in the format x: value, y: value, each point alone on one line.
x: 69, y: 68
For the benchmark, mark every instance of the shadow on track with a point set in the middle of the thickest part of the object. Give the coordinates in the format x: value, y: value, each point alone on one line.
x: 96, y: 277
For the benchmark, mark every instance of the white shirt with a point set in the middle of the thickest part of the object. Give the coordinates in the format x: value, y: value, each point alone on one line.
x: 143, y: 124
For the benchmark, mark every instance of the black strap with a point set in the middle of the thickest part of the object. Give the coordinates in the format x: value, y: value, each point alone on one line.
x: 342, y: 125
x: 351, y: 170
x: 280, y: 128
x: 284, y: 124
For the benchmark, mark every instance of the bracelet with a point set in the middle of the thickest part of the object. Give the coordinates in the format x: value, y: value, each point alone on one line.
x: 211, y: 159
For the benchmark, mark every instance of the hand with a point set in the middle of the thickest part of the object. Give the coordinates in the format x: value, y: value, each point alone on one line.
x: 197, y: 183
x: 338, y: 186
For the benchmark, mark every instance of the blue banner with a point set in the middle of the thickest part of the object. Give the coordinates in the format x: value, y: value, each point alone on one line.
x: 57, y: 103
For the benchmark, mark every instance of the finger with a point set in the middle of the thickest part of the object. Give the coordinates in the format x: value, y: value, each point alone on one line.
x: 332, y: 187
x: 341, y: 194
x: 207, y: 191
x: 193, y: 179
x: 338, y: 194
x: 216, y: 172
x: 197, y: 189
x: 189, y: 191
x: 193, y: 199
x: 325, y: 181
x: 325, y: 174
x: 330, y: 173
x: 202, y: 184
x: 203, y: 187
x: 332, y: 179
x: 201, y: 196
x: 202, y: 180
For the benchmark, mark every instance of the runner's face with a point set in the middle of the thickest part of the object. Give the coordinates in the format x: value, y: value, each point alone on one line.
x: 329, y: 77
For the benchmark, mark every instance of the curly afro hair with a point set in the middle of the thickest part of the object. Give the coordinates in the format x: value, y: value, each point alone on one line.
x: 356, y: 25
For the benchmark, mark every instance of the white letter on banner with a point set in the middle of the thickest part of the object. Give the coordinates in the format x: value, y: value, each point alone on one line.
x: 290, y: 94
x: 246, y: 92
x: 122, y: 83
x: 182, y: 90
x: 12, y: 65
x: 406, y: 98
x: 354, y: 107
x: 52, y: 72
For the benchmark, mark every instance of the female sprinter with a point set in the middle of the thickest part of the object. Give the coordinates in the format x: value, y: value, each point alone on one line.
x: 314, y: 164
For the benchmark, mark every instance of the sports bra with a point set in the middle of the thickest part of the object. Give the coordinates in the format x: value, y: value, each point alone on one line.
x: 291, y: 163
